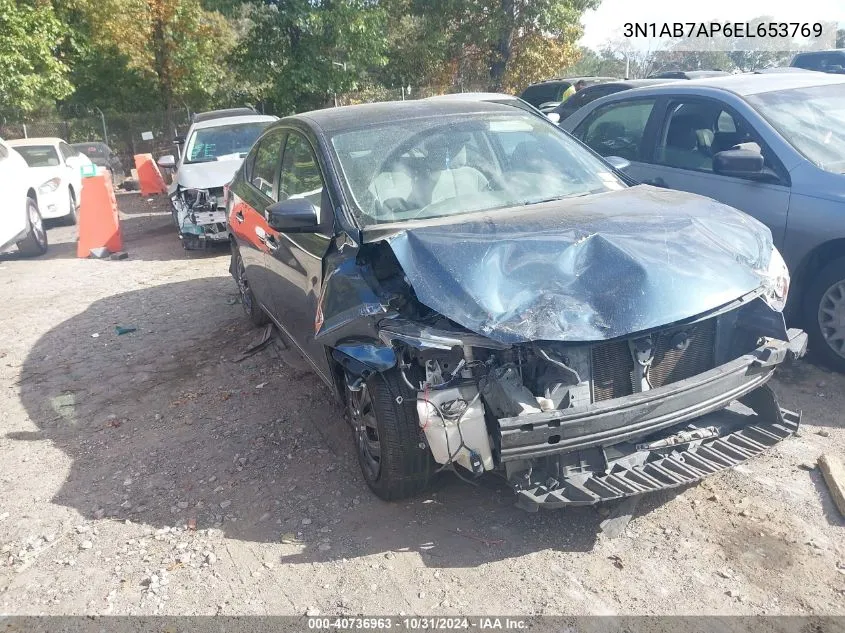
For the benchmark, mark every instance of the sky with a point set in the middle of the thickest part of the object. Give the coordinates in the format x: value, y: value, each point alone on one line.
x: 607, y: 21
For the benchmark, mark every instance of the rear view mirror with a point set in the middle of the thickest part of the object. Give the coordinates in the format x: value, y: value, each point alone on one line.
x: 294, y: 215
x: 738, y: 162
x: 619, y: 163
x: 167, y: 161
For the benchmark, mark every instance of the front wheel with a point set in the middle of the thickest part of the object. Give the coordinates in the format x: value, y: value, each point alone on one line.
x: 253, y: 311
x: 824, y: 314
x: 394, y: 459
x: 35, y: 242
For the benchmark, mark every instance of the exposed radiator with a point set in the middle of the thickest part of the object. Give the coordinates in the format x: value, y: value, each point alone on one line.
x: 613, y: 366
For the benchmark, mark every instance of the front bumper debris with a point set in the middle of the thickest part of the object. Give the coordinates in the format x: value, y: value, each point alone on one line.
x: 654, y: 440
x: 535, y: 435
x: 653, y: 470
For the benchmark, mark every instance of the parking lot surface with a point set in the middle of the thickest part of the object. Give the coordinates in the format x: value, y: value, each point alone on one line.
x: 151, y: 472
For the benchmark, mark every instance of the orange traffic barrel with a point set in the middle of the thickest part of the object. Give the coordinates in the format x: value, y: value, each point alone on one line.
x: 149, y: 176
x: 99, y: 224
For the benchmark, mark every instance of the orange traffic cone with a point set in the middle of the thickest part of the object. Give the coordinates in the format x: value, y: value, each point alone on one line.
x: 149, y: 177
x: 99, y: 225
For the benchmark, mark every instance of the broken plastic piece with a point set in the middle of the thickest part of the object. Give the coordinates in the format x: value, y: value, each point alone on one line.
x: 121, y: 330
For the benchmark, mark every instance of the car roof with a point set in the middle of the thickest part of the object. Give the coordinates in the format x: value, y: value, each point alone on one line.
x: 750, y: 83
x: 688, y: 74
x: 221, y: 114
x: 635, y: 83
x: 233, y: 120
x: 43, y: 140
x: 814, y: 53
x: 474, y: 96
x: 573, y: 80
x: 357, y: 116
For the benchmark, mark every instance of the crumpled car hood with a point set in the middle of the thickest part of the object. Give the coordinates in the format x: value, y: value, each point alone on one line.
x: 208, y: 175
x: 584, y: 269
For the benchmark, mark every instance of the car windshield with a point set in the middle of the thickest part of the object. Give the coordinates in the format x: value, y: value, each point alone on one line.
x: 437, y: 167
x: 39, y: 155
x: 223, y: 142
x: 812, y: 120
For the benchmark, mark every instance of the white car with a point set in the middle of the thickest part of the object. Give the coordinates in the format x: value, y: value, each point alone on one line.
x: 20, y: 220
x: 58, y: 166
x: 216, y: 145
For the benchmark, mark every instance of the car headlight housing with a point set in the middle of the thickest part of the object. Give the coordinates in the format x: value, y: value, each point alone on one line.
x: 776, y: 282
x: 50, y: 186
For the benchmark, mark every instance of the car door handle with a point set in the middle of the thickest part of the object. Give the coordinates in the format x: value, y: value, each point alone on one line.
x: 239, y: 216
x: 271, y: 243
x: 656, y: 182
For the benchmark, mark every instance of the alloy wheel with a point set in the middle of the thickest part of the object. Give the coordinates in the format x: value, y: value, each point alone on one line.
x: 831, y: 317
x: 363, y: 418
x: 243, y: 285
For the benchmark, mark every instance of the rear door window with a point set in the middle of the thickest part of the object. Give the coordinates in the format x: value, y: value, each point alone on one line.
x: 617, y: 129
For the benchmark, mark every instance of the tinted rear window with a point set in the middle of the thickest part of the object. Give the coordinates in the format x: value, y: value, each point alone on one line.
x: 91, y: 151
x: 541, y: 93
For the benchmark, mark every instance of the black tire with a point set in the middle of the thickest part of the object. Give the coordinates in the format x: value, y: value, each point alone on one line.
x: 254, y: 312
x: 823, y: 284
x: 73, y: 216
x: 405, y: 466
x: 35, y: 242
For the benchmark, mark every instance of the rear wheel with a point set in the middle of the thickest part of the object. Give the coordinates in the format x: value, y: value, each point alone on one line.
x: 253, y: 311
x: 394, y: 460
x: 824, y: 314
x: 35, y: 242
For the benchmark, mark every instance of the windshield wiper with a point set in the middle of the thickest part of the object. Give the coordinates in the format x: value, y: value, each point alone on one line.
x: 555, y: 198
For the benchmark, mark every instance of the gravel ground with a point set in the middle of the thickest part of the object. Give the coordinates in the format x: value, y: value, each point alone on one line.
x: 152, y: 473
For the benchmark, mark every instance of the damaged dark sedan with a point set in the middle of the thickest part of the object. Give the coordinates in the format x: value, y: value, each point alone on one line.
x: 483, y: 293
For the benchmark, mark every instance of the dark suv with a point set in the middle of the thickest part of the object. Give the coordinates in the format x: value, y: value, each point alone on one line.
x: 823, y: 61
x: 551, y: 90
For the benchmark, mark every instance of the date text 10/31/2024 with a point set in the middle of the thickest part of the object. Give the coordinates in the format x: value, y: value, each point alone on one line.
x: 420, y: 623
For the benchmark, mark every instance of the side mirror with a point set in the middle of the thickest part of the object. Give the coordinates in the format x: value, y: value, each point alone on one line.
x: 618, y: 163
x: 167, y: 162
x: 554, y: 117
x: 294, y: 215
x: 73, y: 161
x: 742, y: 163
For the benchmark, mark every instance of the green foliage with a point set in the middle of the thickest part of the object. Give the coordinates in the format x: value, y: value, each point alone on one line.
x: 597, y: 64
x: 299, y: 53
x: 136, y: 55
x: 32, y: 74
x: 509, y: 43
